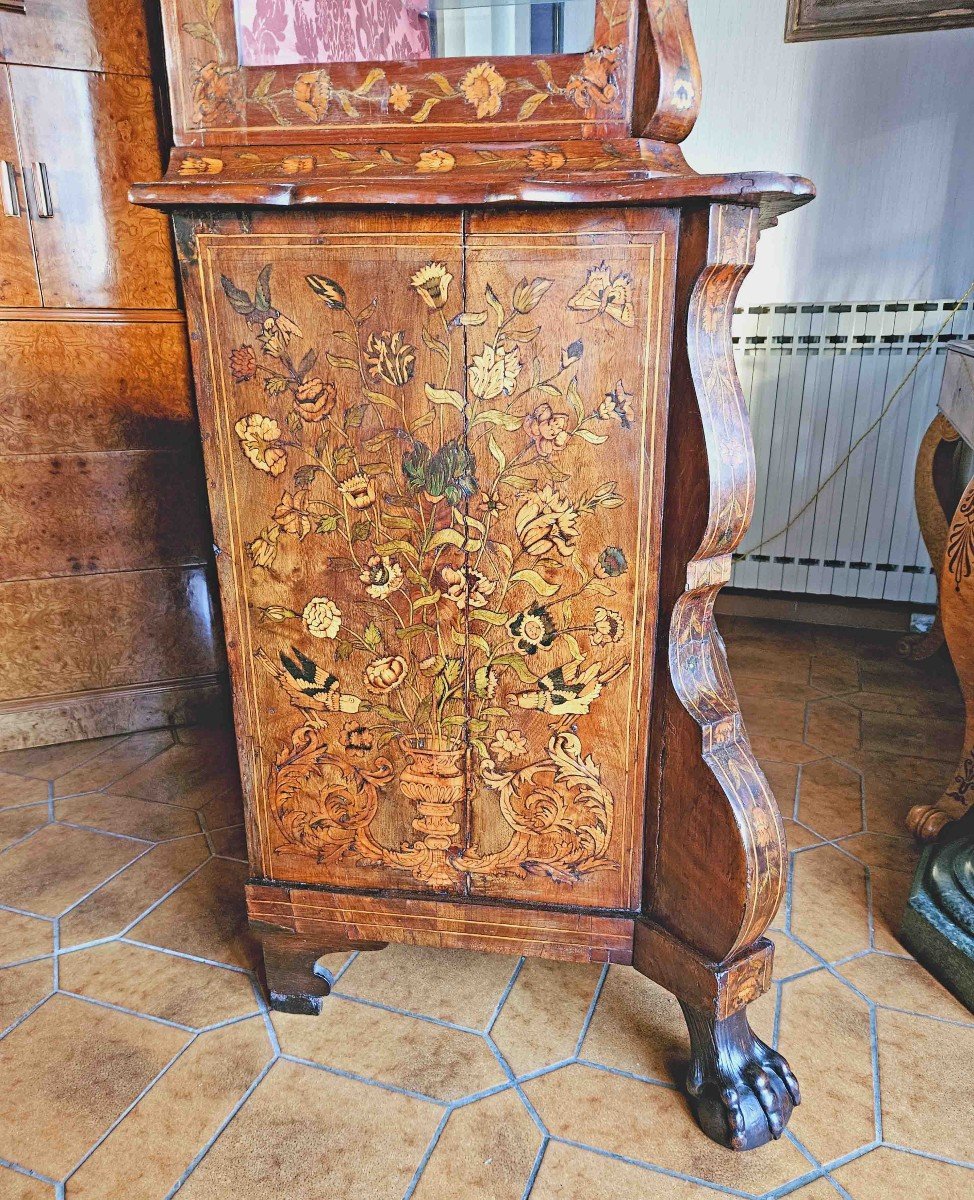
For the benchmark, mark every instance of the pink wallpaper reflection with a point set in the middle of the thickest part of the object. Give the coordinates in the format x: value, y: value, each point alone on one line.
x: 314, y: 31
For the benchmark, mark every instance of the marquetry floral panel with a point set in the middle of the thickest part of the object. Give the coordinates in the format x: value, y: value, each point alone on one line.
x: 439, y: 463
x: 217, y: 98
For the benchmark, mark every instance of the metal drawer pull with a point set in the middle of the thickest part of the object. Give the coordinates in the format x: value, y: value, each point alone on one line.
x: 8, y: 188
x: 42, y: 191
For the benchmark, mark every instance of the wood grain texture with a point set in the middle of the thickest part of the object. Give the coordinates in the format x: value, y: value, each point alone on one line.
x: 18, y: 272
x: 214, y: 99
x: 78, y: 514
x: 716, y: 869
x: 104, y: 712
x: 668, y: 85
x: 154, y: 626
x: 810, y: 20
x: 96, y: 250
x: 336, y: 917
x: 69, y: 386
x: 83, y: 35
x: 457, y: 598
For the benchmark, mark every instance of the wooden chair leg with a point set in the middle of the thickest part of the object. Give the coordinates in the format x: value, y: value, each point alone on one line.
x: 294, y: 985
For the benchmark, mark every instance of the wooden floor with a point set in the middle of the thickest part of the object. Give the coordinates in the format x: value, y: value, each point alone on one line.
x: 139, y: 1059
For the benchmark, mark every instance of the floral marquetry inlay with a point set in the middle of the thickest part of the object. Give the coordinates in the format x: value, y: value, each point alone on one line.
x: 439, y: 493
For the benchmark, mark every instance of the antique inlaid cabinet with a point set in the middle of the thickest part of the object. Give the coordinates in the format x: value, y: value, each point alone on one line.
x: 478, y: 461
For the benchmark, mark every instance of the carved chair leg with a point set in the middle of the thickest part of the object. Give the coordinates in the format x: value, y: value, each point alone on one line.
x: 742, y: 1091
x: 293, y: 983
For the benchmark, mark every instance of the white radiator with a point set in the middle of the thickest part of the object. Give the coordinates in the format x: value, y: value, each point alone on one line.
x: 815, y: 377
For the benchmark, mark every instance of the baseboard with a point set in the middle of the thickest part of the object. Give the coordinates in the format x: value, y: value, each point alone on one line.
x: 850, y: 613
x: 105, y: 712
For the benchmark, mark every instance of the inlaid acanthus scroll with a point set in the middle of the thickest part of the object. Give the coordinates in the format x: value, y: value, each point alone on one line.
x: 698, y: 661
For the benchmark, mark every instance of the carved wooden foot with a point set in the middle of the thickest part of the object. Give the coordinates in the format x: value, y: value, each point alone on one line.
x: 294, y: 983
x: 742, y: 1091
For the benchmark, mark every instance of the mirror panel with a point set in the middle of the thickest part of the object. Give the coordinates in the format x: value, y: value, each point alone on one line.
x: 287, y: 32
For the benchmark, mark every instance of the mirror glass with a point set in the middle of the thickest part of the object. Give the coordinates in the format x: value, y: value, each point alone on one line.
x: 276, y: 32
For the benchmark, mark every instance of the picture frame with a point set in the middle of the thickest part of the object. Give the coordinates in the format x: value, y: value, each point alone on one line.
x: 816, y: 20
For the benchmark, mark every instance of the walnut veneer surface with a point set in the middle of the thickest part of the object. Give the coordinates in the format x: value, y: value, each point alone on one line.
x: 434, y: 1073
x: 101, y: 495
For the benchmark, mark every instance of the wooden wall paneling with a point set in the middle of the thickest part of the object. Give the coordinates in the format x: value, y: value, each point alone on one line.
x: 77, y: 514
x: 83, y: 35
x: 94, y: 134
x: 77, y: 386
x: 116, y: 630
x: 18, y: 271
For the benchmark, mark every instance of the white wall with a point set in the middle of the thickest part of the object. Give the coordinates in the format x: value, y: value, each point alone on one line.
x: 884, y: 126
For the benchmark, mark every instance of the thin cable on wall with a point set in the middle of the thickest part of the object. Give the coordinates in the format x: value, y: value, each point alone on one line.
x: 792, y: 520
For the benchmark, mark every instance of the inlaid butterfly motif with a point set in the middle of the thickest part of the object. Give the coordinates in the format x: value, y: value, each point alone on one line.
x: 603, y: 295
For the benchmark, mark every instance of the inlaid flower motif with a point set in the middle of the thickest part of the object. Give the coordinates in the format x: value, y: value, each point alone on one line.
x: 532, y: 629
x: 607, y: 626
x: 508, y: 743
x: 259, y: 439
x: 322, y: 617
x: 297, y: 164
x: 494, y: 371
x: 243, y: 364
x: 194, y: 164
x: 312, y: 92
x: 357, y: 738
x: 466, y: 587
x: 548, y: 430
x: 432, y: 283
x: 263, y: 549
x: 489, y: 504
x: 315, y: 399
x: 358, y: 491
x: 617, y: 405
x: 276, y: 333
x: 612, y: 563
x: 291, y: 515
x: 435, y: 162
x: 382, y: 575
x: 595, y: 86
x: 212, y: 90
x: 400, y: 97
x: 482, y: 87
x: 387, y: 673
x: 545, y: 160
x: 684, y: 93
x: 547, y: 521
x: 390, y: 358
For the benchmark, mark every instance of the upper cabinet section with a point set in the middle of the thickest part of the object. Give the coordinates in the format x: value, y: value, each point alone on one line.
x: 83, y: 35
x: 279, y: 71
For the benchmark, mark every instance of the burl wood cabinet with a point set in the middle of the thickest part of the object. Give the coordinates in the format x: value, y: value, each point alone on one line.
x: 478, y: 460
x: 101, y: 488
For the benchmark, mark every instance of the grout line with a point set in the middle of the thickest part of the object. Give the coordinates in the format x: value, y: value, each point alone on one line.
x: 131, y: 1012
x: 532, y: 1177
x: 941, y: 1158
x: 652, y: 1168
x: 404, y: 1012
x: 427, y: 1154
x: 376, y: 1083
x: 125, y: 1112
x: 590, y: 1011
x: 209, y: 962
x: 28, y: 835
x: 24, y: 1015
x: 504, y: 995
x: 149, y: 846
x: 163, y: 898
x: 202, y: 1153
x: 30, y: 1174
x: 622, y: 1074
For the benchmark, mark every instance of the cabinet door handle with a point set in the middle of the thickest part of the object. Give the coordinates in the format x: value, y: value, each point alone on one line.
x: 8, y: 188
x: 42, y: 191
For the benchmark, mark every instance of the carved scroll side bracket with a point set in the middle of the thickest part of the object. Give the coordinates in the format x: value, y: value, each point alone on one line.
x: 697, y: 657
x: 669, y: 71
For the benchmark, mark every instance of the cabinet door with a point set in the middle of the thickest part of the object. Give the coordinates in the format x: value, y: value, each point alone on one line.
x: 331, y: 400
x: 84, y: 139
x: 565, y: 414
x: 84, y: 35
x: 436, y: 477
x: 18, y: 274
